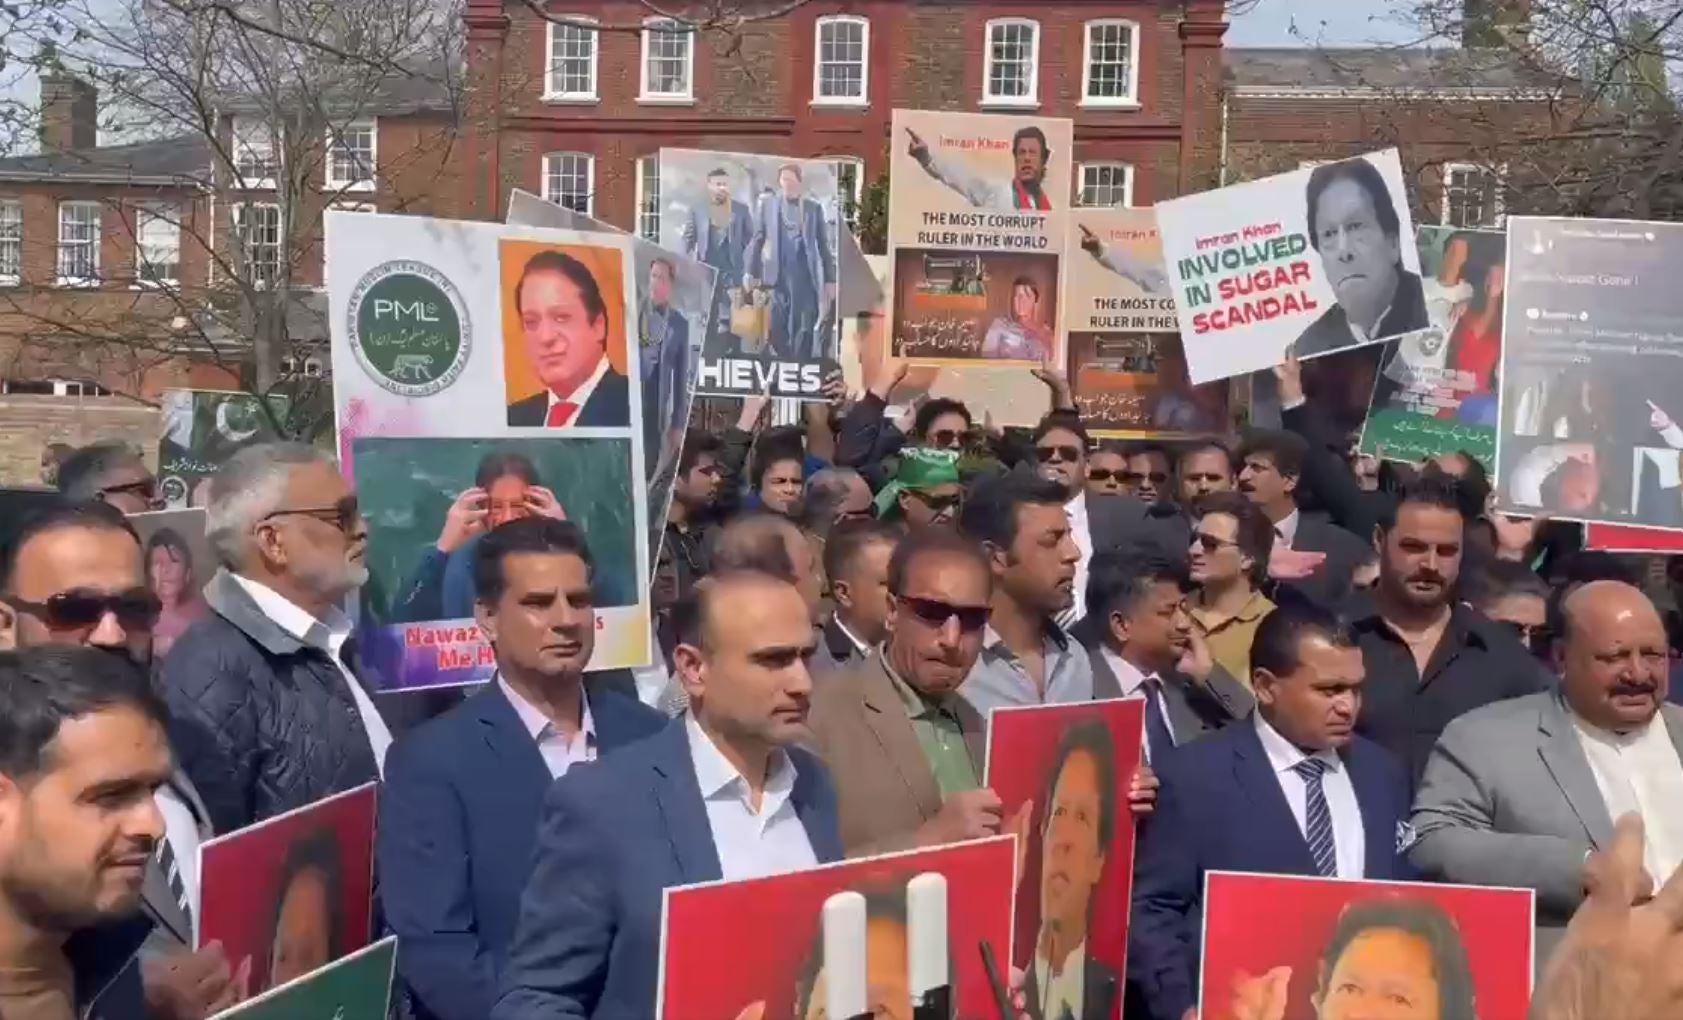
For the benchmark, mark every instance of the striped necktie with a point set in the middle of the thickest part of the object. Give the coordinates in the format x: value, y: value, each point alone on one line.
x: 172, y: 874
x: 1317, y: 818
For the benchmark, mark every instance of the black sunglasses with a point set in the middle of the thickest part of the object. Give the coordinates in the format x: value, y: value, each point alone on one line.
x: 939, y: 504
x: 1156, y: 477
x: 145, y: 487
x: 80, y: 609
x: 342, y: 515
x: 937, y: 613
x: 1105, y: 475
x: 1536, y: 637
x: 1210, y: 543
x: 946, y: 439
x: 1045, y: 454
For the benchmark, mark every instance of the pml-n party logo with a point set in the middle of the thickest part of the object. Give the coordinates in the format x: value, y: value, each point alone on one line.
x: 409, y: 328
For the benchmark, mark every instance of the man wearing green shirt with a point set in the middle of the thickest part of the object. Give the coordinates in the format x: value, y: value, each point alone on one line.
x: 904, y: 750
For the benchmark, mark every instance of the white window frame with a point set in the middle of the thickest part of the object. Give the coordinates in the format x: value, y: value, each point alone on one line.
x: 1104, y: 164
x: 589, y: 181
x: 648, y: 206
x: 864, y: 96
x: 145, y: 215
x: 253, y: 138
x: 1132, y: 99
x: 644, y: 94
x: 11, y: 242
x: 249, y: 249
x: 858, y: 188
x: 557, y: 95
x: 335, y: 139
x: 1033, y: 96
x: 1497, y: 174
x: 93, y: 244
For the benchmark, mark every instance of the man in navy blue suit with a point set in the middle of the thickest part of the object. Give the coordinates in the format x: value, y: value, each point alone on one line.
x: 722, y: 793
x: 459, y: 812
x: 1293, y: 792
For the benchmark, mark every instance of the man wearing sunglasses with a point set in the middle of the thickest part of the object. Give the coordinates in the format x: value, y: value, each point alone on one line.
x: 1107, y: 472
x: 74, y: 576
x: 926, y: 491
x: 269, y: 708
x: 109, y: 472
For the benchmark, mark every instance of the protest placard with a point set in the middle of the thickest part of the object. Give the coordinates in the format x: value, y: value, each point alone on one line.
x: 358, y: 987
x: 292, y: 893
x: 1331, y: 945
x: 978, y: 220
x: 1625, y: 538
x: 483, y: 376
x: 902, y: 925
x: 769, y: 226
x: 178, y: 563
x: 203, y: 428
x: 1437, y: 393
x: 1592, y: 369
x: 1125, y: 357
x: 1319, y: 259
x: 674, y: 300
x: 1062, y: 775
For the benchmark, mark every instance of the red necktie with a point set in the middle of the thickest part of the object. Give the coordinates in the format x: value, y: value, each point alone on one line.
x: 560, y: 414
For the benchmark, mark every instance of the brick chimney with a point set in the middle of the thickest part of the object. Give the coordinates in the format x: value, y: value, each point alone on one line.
x: 69, y: 112
x: 1495, y: 24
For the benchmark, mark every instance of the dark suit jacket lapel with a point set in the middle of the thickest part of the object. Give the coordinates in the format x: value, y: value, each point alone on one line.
x: 506, y: 737
x: 613, y: 728
x: 1255, y: 775
x: 1380, y: 837
x: 678, y: 796
x: 1564, y: 757
x: 1105, y: 684
x: 885, y: 715
x: 815, y: 805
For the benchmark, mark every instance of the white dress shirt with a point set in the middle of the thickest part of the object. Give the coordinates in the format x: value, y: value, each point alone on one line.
x: 1083, y: 535
x: 1335, y: 786
x: 559, y: 753
x: 750, y: 844
x: 1286, y: 528
x: 861, y: 647
x: 1132, y: 682
x: 1064, y: 991
x: 1639, y: 771
x: 328, y: 635
x: 580, y: 395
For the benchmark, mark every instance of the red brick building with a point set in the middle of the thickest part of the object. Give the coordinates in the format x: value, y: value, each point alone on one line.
x: 579, y: 114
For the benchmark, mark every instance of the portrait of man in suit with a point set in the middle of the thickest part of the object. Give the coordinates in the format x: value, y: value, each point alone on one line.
x: 663, y: 339
x: 1353, y: 224
x: 717, y: 233
x: 1063, y: 982
x: 790, y: 254
x: 564, y: 329
x: 1030, y: 155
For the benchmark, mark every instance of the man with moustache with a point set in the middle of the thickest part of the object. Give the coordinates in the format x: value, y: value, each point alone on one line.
x: 1204, y: 468
x: 1430, y: 658
x: 857, y: 559
x: 459, y: 809
x: 1520, y: 792
x: 1025, y: 190
x: 74, y: 576
x: 269, y: 710
x: 1315, y: 558
x: 1294, y: 791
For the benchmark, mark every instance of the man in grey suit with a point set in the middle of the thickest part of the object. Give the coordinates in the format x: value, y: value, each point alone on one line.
x: 1519, y: 792
x: 790, y: 253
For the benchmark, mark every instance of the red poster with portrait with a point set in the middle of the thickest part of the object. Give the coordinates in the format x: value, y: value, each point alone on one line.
x: 1062, y: 773
x: 771, y: 948
x: 1334, y: 946
x: 293, y: 892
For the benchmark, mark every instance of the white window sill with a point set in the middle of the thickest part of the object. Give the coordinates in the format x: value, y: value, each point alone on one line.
x: 1109, y: 104
x: 666, y: 100
x: 154, y: 284
x: 839, y: 103
x: 1029, y: 103
x: 349, y: 187
x: 257, y: 184
x: 10, y: 281
x: 570, y: 99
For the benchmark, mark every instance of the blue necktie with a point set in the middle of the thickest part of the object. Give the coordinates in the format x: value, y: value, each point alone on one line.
x: 1159, y: 739
x: 1317, y: 818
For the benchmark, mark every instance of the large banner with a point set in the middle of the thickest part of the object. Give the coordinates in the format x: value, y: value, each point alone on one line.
x: 203, y: 428
x: 674, y: 299
x: 1437, y: 394
x: 766, y: 224
x: 978, y: 220
x: 1280, y: 947
x: 914, y: 928
x: 1125, y: 357
x: 1592, y: 371
x: 292, y: 893
x: 178, y: 564
x: 1625, y: 538
x: 484, y: 375
x: 1062, y: 773
x: 358, y: 987
x: 1321, y: 258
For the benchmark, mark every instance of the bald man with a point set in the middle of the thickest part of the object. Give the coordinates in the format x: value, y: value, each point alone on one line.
x: 1519, y: 792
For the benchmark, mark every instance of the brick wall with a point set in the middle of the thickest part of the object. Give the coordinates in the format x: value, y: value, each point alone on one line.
x: 29, y: 423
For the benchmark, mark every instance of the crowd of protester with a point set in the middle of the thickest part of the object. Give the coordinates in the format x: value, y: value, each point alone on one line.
x: 1347, y: 672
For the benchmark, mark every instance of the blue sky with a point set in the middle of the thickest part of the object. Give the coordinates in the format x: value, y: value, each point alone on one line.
x: 1322, y: 22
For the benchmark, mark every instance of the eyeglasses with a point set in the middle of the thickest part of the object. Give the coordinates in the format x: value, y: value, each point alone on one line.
x: 1535, y: 636
x: 946, y: 439
x: 936, y: 613
x: 1210, y: 543
x: 1106, y: 475
x: 343, y: 515
x: 81, y: 609
x: 939, y: 504
x: 1047, y: 454
x: 1156, y: 477
x: 145, y: 488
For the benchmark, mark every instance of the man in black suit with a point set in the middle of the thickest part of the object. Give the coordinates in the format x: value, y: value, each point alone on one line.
x: 1353, y: 223
x: 1313, y: 557
x: 564, y: 332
